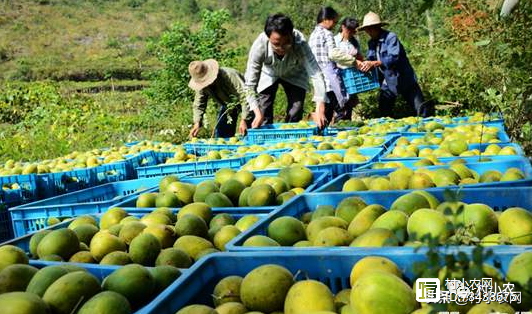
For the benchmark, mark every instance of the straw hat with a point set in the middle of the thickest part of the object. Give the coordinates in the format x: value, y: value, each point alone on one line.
x: 371, y: 19
x: 202, y: 73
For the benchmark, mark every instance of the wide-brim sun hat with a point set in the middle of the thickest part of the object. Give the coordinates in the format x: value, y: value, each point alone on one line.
x: 372, y: 19
x: 202, y: 73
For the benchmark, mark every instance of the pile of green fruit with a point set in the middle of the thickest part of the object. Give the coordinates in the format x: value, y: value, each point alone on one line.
x: 453, y: 148
x: 298, y: 125
x: 377, y: 287
x: 305, y: 157
x: 158, y: 238
x: 216, y: 141
x: 412, y: 219
x: 66, y: 288
x: 424, y: 178
x: 425, y: 162
x: 473, y: 133
x: 477, y: 117
x: 231, y: 188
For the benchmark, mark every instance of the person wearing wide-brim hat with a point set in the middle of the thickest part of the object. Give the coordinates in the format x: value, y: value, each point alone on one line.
x: 226, y: 87
x: 387, y: 54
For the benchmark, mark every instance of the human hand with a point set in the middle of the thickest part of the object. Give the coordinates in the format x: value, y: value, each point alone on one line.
x: 243, y: 127
x: 259, y: 117
x: 366, y: 66
x: 195, y: 130
x: 319, y: 115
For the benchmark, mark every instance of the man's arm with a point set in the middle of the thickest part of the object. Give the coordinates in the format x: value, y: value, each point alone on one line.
x: 393, y: 48
x: 200, y: 105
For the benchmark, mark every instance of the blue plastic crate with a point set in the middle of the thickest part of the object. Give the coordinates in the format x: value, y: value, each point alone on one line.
x: 26, y: 193
x: 53, y: 184
x: 356, y: 82
x: 6, y: 228
x: 331, y: 268
x: 273, y: 133
x: 481, y: 147
x: 32, y: 217
x: 497, y: 198
x: 320, y: 178
x: 193, y: 168
x: 521, y: 163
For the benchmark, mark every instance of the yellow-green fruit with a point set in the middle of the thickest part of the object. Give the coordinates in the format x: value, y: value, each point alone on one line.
x: 349, y: 208
x: 164, y: 276
x: 226, y: 234
x: 221, y: 220
x: 354, y: 184
x: 452, y: 210
x: 203, y: 189
x: 146, y: 200
x: 420, y: 181
x: 116, y: 258
x: 82, y: 257
x: 165, y: 234
x: 364, y: 219
x: 322, y: 211
x: 433, y: 201
x: 231, y: 308
x: 199, y: 209
x: 227, y: 290
x: 264, y: 289
x: 232, y: 189
x: 376, y: 238
x: 223, y: 175
x: 512, y: 174
x: 492, y: 307
x: 261, y: 195
x: 300, y: 177
x: 495, y: 239
x: 516, y: 223
x: 173, y: 257
x: 286, y: 230
x: 130, y: 230
x: 260, y: 241
x: 245, y: 177
x: 16, y: 277
x: 10, y: 254
x: 167, y: 199
x: 22, y: 303
x: 456, y: 147
x: 107, y: 302
x: 190, y: 224
x: 192, y: 245
x: 34, y: 243
x: 309, y: 296
x: 134, y: 282
x: 197, y: 309
x: 81, y: 221
x: 373, y: 263
x: 218, y: 199
x: 409, y: 203
x: 491, y: 176
x: 113, y: 217
x: 166, y: 181
x: 246, y: 222
x: 64, y: 295
x: 429, y: 223
x: 445, y: 177
x: 481, y: 217
x: 315, y: 226
x: 304, y: 243
x: 44, y: 278
x: 285, y: 197
x: 144, y: 249
x: 85, y: 232
x: 462, y: 171
x: 332, y: 236
x: 104, y: 243
x: 342, y: 298
x: 379, y: 184
x: 183, y: 191
x: 63, y: 242
x: 382, y: 293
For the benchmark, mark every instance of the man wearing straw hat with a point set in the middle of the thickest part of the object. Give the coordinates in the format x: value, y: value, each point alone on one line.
x: 226, y: 87
x: 387, y: 54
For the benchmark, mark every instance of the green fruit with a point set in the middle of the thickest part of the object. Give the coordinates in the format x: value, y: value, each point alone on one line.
x: 224, y: 235
x: 285, y: 197
x: 433, y: 201
x: 322, y: 211
x: 115, y: 230
x: 165, y: 182
x: 85, y: 232
x: 381, y: 292
x: 197, y: 309
x: 492, y: 307
x: 183, y: 191
x: 379, y: 184
x: 165, y: 234
x: 44, y: 278
x: 309, y: 296
x: 134, y: 282
x: 192, y: 245
x: 364, y: 219
x: 342, y: 298
x: 130, y: 230
x: 456, y: 147
x: 104, y: 243
x: 245, y: 177
x: 223, y: 175
x: 495, y: 239
x: 113, y: 216
x: 116, y: 258
x: 164, y: 276
x: 82, y: 220
x: 203, y: 189
x: 286, y: 230
x: 16, y: 277
x: 300, y: 177
x: 303, y: 243
x: 265, y: 288
x: 376, y: 238
x: 321, y: 223
x: 232, y: 188
x: 332, y: 236
x: 34, y: 242
x: 62, y: 242
x: 10, y: 254
x: 221, y: 220
x: 243, y: 199
x: 71, y: 291
x: 144, y: 249
x: 173, y: 257
x: 190, y: 224
x: 231, y: 308
x: 246, y: 222
x: 260, y: 241
x: 52, y: 258
x: 167, y: 199
x: 201, y: 210
x: 82, y: 257
x: 227, y: 290
x: 370, y: 264
x: 491, y: 176
x: 427, y: 223
x: 445, y: 177
x: 349, y: 208
x: 481, y: 217
x: 22, y: 303
x: 520, y: 271
x: 420, y: 181
x: 354, y: 184
x: 154, y: 218
x: 261, y: 195
x: 218, y: 199
x: 409, y: 203
x: 516, y: 223
x: 106, y: 302
x: 146, y: 200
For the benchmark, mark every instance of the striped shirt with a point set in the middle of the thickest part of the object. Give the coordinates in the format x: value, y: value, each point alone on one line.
x: 264, y: 68
x: 321, y: 41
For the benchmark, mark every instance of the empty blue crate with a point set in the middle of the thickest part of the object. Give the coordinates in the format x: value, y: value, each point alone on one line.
x: 497, y: 198
x: 33, y: 216
x: 275, y: 133
x: 356, y: 82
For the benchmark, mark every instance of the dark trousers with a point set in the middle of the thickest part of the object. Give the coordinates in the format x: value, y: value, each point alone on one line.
x: 295, y: 97
x: 334, y: 111
x: 413, y: 97
x: 226, y: 122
